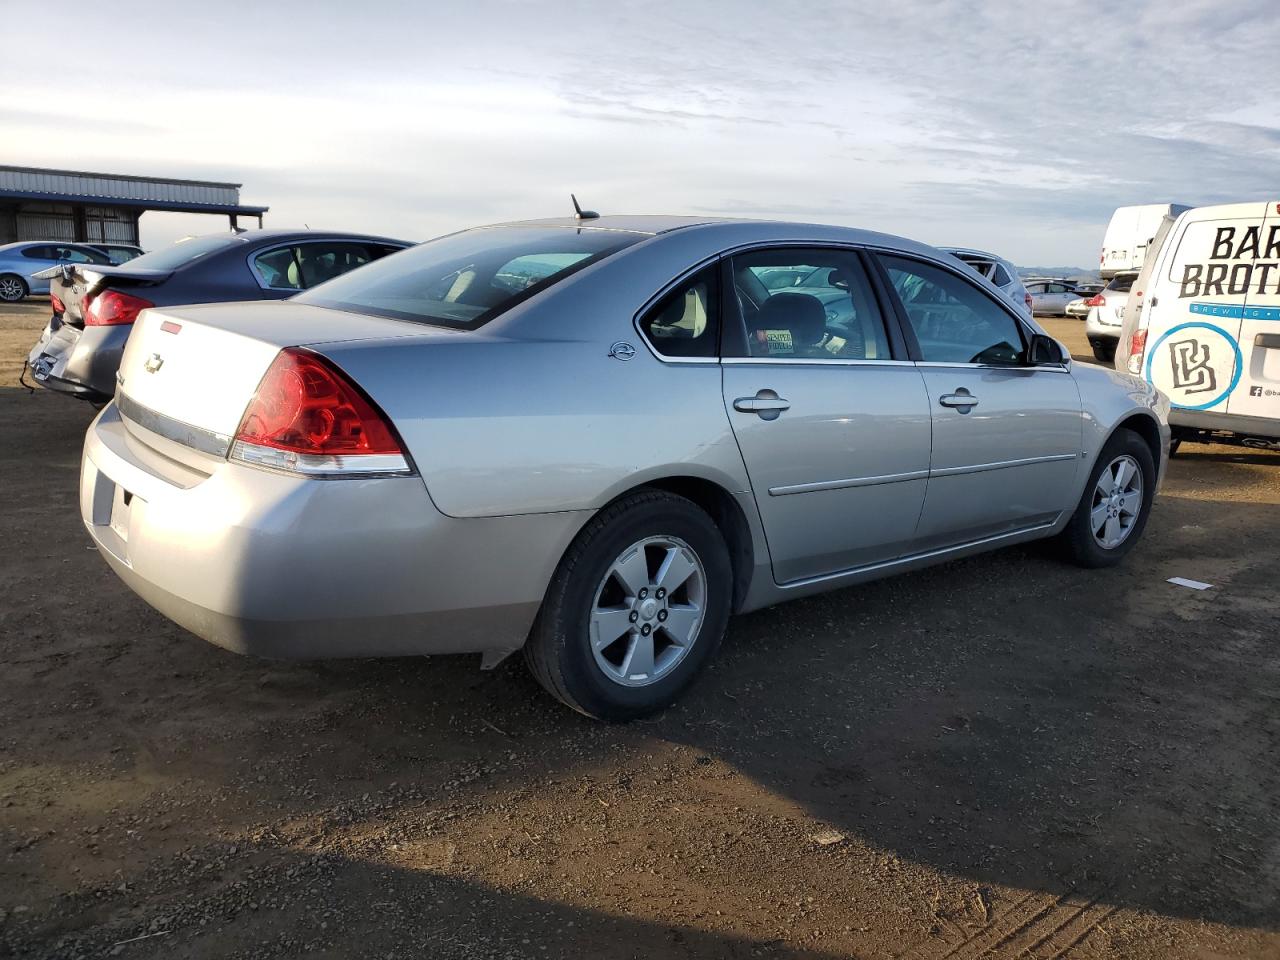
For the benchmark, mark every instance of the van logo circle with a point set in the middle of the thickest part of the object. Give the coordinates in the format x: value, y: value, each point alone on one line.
x: 621, y: 350
x: 1196, y: 364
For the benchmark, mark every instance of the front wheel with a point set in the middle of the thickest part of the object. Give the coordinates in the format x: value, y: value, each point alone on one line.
x: 12, y: 288
x: 636, y: 608
x: 1113, y: 510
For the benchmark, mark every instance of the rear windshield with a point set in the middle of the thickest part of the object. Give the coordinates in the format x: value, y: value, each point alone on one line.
x: 1122, y: 283
x: 466, y: 279
x: 184, y: 251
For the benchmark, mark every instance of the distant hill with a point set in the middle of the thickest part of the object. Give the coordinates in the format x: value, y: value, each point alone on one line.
x: 1071, y: 273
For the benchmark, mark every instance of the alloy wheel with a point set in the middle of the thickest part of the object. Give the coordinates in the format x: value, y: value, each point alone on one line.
x: 11, y: 289
x: 647, y: 611
x: 1117, y: 501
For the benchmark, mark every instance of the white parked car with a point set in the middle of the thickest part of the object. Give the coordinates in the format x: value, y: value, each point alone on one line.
x: 1203, y: 323
x: 1106, y: 314
x: 1079, y: 307
x: 1002, y: 274
x: 1129, y: 235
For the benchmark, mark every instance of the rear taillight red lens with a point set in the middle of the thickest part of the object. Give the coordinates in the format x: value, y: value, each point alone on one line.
x: 1137, y: 347
x: 54, y: 302
x: 1030, y: 303
x: 111, y: 307
x: 1096, y: 301
x: 308, y: 417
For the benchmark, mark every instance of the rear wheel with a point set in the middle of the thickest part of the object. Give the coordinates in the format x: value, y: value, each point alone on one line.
x: 1104, y: 352
x: 12, y: 288
x: 636, y: 608
x: 1113, y: 510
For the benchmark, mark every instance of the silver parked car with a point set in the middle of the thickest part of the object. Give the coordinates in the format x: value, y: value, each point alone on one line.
x: 1050, y: 295
x: 596, y: 439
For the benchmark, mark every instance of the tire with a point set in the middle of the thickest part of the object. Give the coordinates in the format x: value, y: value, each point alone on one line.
x: 12, y: 288
x: 588, y: 599
x: 1104, y: 352
x: 1079, y: 541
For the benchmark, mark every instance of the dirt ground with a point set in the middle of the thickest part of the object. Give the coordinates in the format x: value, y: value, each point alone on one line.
x: 1000, y: 757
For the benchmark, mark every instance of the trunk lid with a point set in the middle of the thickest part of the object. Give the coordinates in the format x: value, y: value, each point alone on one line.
x: 199, y: 366
x: 73, y: 284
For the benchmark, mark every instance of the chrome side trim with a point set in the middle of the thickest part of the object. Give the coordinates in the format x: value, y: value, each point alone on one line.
x: 912, y: 558
x: 814, y: 361
x: 1000, y: 465
x: 198, y: 438
x: 786, y: 491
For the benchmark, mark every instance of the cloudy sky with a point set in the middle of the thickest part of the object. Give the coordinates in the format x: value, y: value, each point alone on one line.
x: 1008, y: 126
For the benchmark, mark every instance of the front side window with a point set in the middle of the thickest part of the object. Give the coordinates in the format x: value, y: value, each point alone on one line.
x: 686, y: 322
x: 80, y: 255
x: 953, y: 321
x: 466, y: 279
x: 829, y: 314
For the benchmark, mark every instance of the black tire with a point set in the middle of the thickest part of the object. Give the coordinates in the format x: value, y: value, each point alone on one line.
x: 1104, y: 352
x: 13, y: 288
x: 559, y: 649
x: 1077, y: 539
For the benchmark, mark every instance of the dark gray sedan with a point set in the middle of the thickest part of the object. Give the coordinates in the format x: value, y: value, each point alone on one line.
x: 94, y: 305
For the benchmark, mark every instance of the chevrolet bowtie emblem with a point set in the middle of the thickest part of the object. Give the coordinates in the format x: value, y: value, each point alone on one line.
x: 154, y: 363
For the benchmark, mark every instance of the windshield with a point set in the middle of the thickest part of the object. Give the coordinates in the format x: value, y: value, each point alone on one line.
x: 183, y: 252
x: 466, y: 279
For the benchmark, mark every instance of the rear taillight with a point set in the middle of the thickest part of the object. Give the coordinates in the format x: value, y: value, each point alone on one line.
x: 54, y: 302
x: 1097, y: 300
x: 1137, y: 347
x: 111, y: 307
x: 1030, y: 303
x: 307, y: 417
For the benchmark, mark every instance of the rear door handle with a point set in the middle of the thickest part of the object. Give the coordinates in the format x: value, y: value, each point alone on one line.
x: 767, y: 404
x: 961, y: 398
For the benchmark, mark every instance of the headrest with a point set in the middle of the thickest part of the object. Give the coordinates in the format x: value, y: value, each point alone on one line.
x: 800, y: 314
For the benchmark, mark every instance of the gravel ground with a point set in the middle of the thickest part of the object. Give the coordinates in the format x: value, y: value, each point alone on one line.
x: 1002, y: 757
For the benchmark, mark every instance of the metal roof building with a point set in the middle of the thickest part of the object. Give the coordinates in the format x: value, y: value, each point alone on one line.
x: 68, y: 205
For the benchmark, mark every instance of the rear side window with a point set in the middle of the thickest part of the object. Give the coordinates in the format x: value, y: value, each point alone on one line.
x: 1000, y: 276
x: 830, y: 314
x: 953, y: 321
x: 466, y: 279
x: 39, y: 253
x: 686, y: 322
x: 300, y: 266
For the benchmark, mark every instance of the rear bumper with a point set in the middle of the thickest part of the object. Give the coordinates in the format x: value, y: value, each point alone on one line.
x: 273, y: 565
x: 79, y: 362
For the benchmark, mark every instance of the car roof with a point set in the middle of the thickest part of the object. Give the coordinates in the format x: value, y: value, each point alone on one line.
x: 725, y: 232
x: 973, y: 252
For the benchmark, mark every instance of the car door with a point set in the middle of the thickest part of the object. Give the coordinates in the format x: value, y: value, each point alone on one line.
x: 830, y: 414
x: 1006, y: 436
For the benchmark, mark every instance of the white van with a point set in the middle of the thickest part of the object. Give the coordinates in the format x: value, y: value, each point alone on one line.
x: 1203, y: 323
x: 1129, y: 235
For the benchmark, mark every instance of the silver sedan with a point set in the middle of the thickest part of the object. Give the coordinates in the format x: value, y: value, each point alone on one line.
x: 596, y: 439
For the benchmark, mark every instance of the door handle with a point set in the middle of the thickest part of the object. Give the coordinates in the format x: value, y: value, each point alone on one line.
x: 961, y: 398
x: 766, y: 404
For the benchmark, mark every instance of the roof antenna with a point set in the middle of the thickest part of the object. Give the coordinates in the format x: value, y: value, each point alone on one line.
x: 580, y: 213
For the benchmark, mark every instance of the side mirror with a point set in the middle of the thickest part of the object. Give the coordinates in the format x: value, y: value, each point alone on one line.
x: 1045, y: 351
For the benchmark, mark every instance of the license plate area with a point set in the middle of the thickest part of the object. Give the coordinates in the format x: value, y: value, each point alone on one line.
x: 121, y: 508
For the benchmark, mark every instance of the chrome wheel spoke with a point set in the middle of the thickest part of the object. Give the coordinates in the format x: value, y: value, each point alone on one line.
x: 1125, y: 471
x: 638, y: 664
x: 1130, y: 502
x: 607, y: 625
x: 1098, y: 518
x: 681, y: 623
x: 675, y: 570
x: 632, y: 571
x: 1114, y: 532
